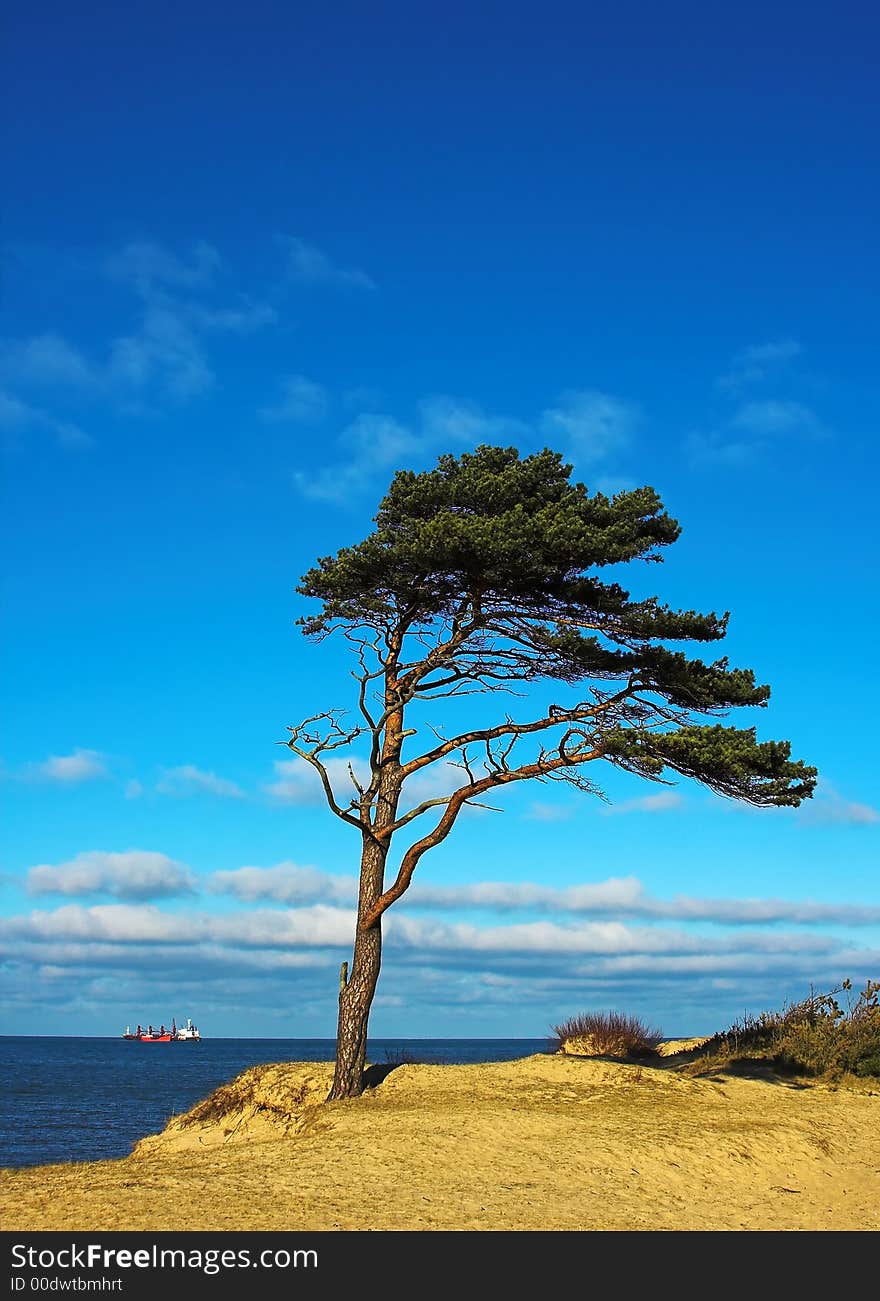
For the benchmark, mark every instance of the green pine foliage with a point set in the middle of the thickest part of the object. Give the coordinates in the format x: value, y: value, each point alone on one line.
x: 498, y: 558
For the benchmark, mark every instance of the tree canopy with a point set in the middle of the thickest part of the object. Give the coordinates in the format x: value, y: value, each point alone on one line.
x: 496, y: 555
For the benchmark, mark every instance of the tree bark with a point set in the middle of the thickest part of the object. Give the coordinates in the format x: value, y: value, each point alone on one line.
x: 356, y: 995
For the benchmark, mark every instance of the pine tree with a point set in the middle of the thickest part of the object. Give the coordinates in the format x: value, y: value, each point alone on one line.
x: 482, y: 573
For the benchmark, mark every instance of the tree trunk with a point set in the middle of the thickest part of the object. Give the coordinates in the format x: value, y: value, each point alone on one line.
x: 356, y: 995
x: 355, y: 1000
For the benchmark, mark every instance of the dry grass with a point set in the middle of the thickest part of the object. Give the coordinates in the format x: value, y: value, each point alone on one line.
x: 275, y: 1090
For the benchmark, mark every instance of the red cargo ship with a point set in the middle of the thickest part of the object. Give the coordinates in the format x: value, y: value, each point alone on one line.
x: 151, y: 1035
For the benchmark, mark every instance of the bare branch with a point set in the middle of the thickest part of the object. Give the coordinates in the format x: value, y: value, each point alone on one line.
x: 456, y: 692
x: 334, y: 737
x: 312, y: 758
x: 309, y: 742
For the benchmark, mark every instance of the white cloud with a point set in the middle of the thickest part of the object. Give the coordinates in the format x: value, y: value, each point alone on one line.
x: 593, y: 425
x: 626, y: 897
x: 623, y: 896
x: 301, y: 400
x: 751, y: 429
x: 314, y: 927
x: 145, y: 265
x: 285, y: 883
x: 133, y: 789
x: 606, y: 937
x: 530, y: 937
x: 377, y: 441
x: 713, y: 964
x: 166, y: 351
x: 332, y: 483
x: 190, y: 780
x: 617, y: 894
x: 539, y: 811
x: 14, y: 414
x: 162, y: 357
x: 444, y: 420
x: 297, y: 782
x: 294, y: 783
x: 736, y: 912
x: 244, y: 989
x: 246, y: 317
x: 761, y: 354
x: 662, y: 802
x: 432, y: 782
x: 374, y: 444
x: 370, y: 444
x: 738, y: 440
x: 70, y: 769
x: 720, y: 449
x: 46, y: 361
x: 756, y: 362
x: 829, y: 806
x: 163, y: 354
x: 771, y: 417
x: 134, y: 874
x: 309, y: 265
x: 324, y: 926
x: 17, y: 417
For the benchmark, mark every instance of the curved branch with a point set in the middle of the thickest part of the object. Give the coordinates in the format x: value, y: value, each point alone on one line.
x: 555, y: 717
x: 542, y: 767
x: 387, y: 832
x: 313, y: 759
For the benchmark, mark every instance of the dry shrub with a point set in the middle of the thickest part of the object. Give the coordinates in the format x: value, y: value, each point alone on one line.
x: 607, y: 1034
x: 403, y: 1057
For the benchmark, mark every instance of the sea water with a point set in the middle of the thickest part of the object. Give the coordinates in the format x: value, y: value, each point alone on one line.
x: 89, y: 1099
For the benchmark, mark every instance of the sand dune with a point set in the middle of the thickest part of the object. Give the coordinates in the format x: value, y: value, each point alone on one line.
x: 547, y: 1142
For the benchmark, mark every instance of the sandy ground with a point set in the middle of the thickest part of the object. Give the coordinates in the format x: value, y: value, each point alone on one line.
x: 547, y: 1142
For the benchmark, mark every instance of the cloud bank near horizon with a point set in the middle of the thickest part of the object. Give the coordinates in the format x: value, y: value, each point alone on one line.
x: 463, y: 955
x: 85, y: 960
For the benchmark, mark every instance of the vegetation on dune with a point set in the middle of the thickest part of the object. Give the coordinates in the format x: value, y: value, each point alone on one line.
x: 816, y: 1037
x: 278, y: 1089
x: 606, y: 1034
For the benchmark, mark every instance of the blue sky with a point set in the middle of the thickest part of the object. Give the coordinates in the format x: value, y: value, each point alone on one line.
x: 255, y: 259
